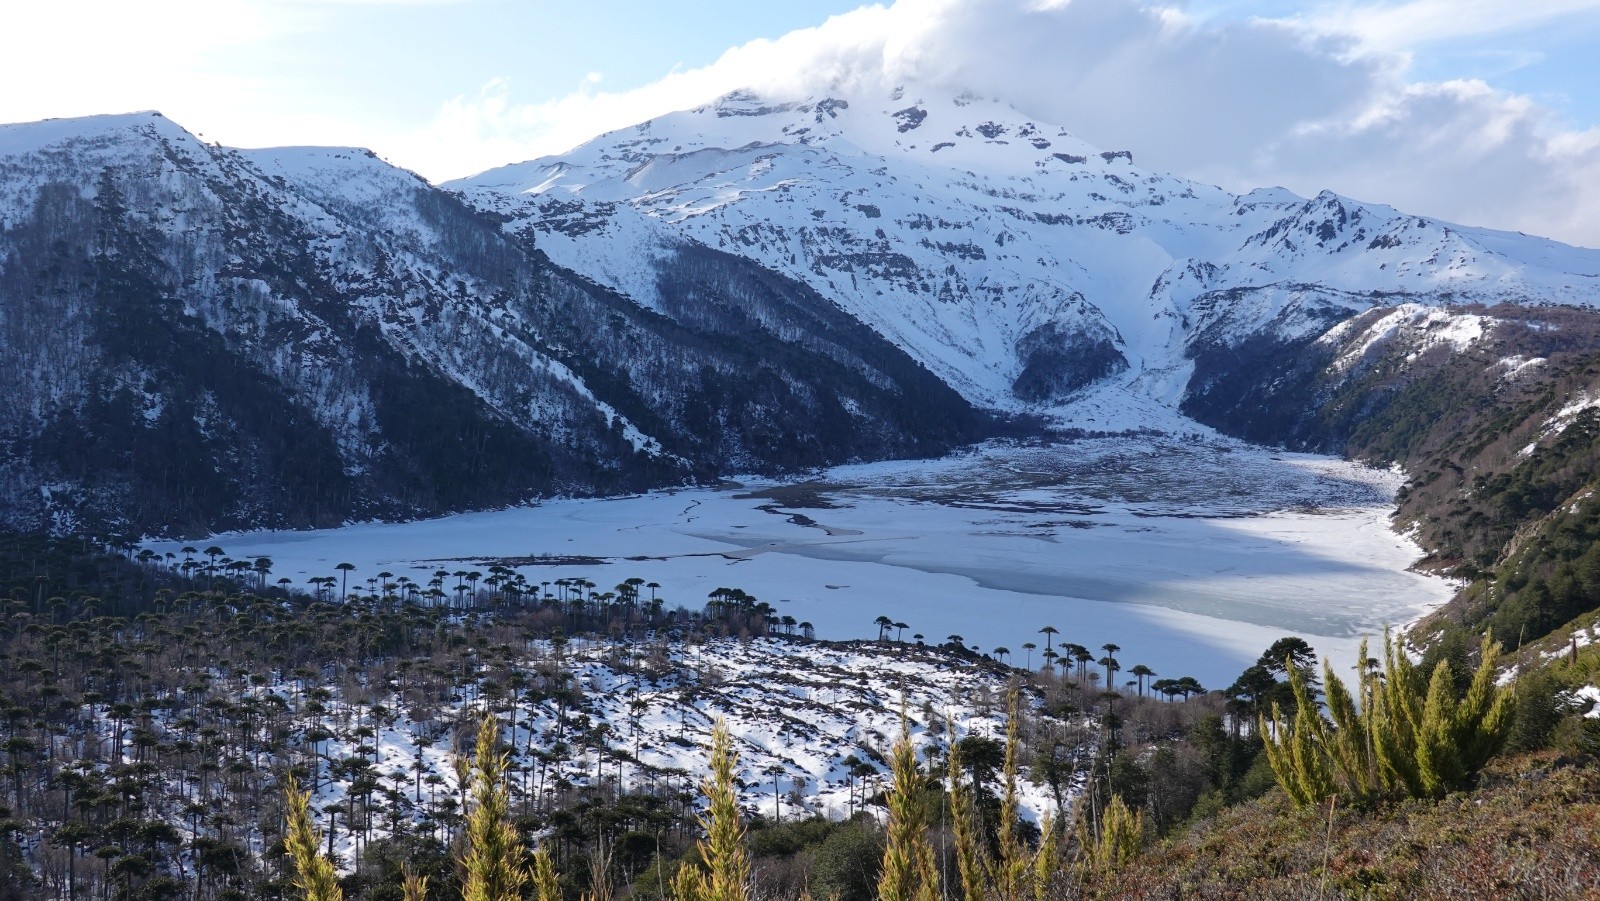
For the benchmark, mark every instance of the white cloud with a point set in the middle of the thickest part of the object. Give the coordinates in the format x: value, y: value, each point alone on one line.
x: 79, y: 57
x: 471, y: 133
x: 1461, y: 151
x: 1398, y: 26
x: 1319, y: 101
x: 62, y: 58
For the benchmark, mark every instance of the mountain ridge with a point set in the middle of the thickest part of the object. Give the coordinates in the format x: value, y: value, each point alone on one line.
x: 218, y: 324
x: 923, y: 217
x: 899, y: 275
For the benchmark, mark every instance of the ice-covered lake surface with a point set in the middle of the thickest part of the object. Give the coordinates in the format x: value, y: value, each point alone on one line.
x: 1191, y: 555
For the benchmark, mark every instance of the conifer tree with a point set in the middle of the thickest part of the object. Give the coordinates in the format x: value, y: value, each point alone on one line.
x: 314, y: 874
x: 971, y: 859
x: 492, y: 867
x: 1483, y: 718
x: 413, y: 887
x: 688, y: 884
x: 909, y: 872
x: 1350, y: 742
x: 1016, y: 871
x: 726, y: 875
x: 1438, y: 759
x: 1044, y: 860
x: 1121, y: 833
x: 1297, y: 749
x: 546, y: 887
x: 1014, y: 860
x: 1407, y: 739
x: 1396, y: 719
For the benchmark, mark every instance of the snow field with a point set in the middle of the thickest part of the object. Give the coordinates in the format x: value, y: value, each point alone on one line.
x: 799, y: 708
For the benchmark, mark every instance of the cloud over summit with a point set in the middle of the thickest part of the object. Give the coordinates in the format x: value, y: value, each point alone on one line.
x: 1308, y: 103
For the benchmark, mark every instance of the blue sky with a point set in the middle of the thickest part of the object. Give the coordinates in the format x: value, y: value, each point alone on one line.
x: 408, y: 58
x: 1413, y: 102
x: 1556, y: 66
x: 1555, y: 59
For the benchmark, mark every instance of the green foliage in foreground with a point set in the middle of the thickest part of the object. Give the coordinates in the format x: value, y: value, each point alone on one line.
x: 314, y: 874
x: 491, y: 868
x: 726, y: 863
x: 1408, y: 738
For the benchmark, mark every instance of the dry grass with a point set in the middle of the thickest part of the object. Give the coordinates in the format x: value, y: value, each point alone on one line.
x: 1531, y: 829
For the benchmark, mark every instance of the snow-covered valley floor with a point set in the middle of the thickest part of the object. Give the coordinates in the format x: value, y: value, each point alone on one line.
x: 1192, y: 555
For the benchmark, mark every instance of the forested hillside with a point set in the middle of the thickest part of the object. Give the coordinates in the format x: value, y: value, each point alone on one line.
x: 1493, y: 413
x: 201, y: 339
x: 155, y: 708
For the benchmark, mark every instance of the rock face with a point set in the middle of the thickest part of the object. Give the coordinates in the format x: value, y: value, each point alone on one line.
x: 1057, y: 361
x: 200, y: 339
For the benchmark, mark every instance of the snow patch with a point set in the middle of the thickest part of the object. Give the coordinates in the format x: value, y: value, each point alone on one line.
x: 1562, y: 418
x: 1589, y: 696
x: 1422, y: 327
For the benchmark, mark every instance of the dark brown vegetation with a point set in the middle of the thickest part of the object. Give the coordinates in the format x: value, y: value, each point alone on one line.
x: 151, y: 707
x: 140, y: 754
x: 223, y: 367
x: 1531, y: 829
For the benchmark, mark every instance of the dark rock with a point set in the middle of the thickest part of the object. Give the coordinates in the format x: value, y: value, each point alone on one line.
x: 1057, y: 361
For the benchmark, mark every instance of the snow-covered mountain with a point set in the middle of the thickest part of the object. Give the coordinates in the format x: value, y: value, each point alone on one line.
x: 199, y: 338
x: 1020, y: 264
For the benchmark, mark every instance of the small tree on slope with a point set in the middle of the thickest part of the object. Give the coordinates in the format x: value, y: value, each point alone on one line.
x: 726, y: 874
x: 1406, y: 739
x: 314, y: 874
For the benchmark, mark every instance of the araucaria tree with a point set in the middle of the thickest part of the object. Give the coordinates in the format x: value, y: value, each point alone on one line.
x: 1408, y: 738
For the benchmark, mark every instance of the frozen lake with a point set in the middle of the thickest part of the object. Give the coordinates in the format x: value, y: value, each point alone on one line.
x: 1192, y: 556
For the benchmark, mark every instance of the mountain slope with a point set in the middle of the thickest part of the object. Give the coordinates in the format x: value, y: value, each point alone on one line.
x: 210, y: 339
x: 1035, y: 273
x: 1018, y: 263
x: 1492, y: 411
